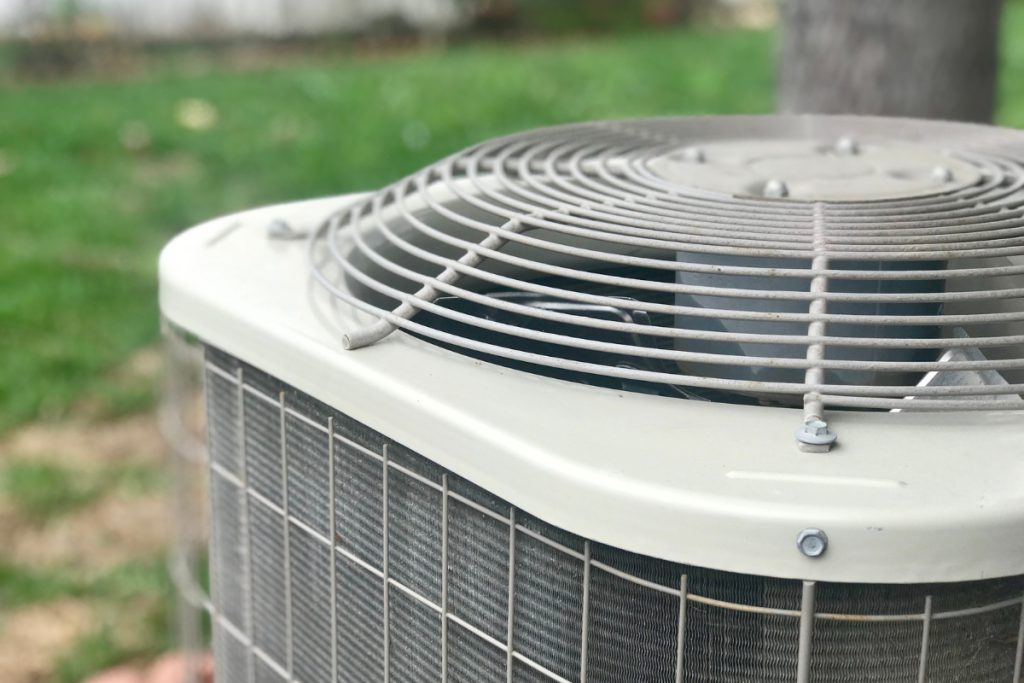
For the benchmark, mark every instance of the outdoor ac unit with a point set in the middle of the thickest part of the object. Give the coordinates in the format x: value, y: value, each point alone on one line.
x: 708, y: 399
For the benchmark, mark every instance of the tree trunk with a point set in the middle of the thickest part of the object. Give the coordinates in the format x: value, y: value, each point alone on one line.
x: 925, y: 58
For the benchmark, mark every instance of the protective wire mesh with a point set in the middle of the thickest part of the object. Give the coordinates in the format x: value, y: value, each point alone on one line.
x: 567, y: 251
x: 370, y: 563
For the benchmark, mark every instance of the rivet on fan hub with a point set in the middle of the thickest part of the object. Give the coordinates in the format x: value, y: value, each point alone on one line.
x: 847, y: 145
x: 694, y: 155
x: 776, y: 189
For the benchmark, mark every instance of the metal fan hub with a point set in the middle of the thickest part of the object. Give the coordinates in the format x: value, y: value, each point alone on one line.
x: 817, y: 170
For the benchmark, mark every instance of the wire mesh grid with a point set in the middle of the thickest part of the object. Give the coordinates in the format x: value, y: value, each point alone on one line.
x: 372, y: 563
x: 842, y: 304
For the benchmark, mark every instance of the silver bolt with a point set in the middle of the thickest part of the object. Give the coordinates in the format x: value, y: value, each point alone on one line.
x: 942, y: 174
x: 812, y: 542
x: 694, y: 155
x: 814, y: 436
x: 280, y: 229
x: 817, y: 427
x: 847, y: 145
x: 776, y: 189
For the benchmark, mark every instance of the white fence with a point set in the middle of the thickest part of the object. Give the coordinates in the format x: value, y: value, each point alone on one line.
x: 171, y: 19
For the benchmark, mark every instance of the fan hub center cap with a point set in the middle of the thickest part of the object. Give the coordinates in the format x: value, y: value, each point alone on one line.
x: 817, y: 170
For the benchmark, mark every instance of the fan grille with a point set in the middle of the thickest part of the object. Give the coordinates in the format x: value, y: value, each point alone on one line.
x: 857, y: 304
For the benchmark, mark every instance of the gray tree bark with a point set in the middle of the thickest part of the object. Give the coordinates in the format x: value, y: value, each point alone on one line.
x: 925, y: 58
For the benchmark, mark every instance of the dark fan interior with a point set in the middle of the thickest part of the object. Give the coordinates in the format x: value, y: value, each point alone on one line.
x: 888, y: 362
x: 624, y: 313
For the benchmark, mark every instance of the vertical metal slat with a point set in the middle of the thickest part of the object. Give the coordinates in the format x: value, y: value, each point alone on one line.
x: 333, y: 559
x: 803, y: 664
x: 289, y: 633
x: 444, y: 578
x: 926, y: 628
x: 1018, y: 662
x: 585, y: 618
x: 385, y: 567
x: 243, y: 474
x: 681, y: 630
x: 511, y: 593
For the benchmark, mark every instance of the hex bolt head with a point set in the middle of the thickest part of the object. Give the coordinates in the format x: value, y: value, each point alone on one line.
x: 847, y: 145
x: 816, y: 427
x: 942, y: 174
x: 814, y: 436
x: 812, y: 542
x: 694, y: 155
x: 776, y: 189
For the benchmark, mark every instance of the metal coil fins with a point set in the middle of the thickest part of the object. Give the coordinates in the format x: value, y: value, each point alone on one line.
x: 861, y: 263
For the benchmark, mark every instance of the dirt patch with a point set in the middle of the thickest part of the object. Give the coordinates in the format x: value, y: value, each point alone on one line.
x: 34, y: 637
x: 81, y: 443
x: 144, y: 366
x: 115, y: 529
x: 129, y: 520
x: 173, y: 667
x: 120, y: 526
x: 137, y: 379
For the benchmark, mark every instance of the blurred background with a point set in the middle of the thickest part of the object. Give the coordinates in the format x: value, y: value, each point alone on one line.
x: 123, y: 122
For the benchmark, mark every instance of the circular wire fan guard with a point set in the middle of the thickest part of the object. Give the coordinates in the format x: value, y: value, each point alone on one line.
x: 818, y: 261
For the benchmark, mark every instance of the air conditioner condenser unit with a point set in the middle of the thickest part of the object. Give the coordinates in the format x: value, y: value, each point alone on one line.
x: 688, y: 399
